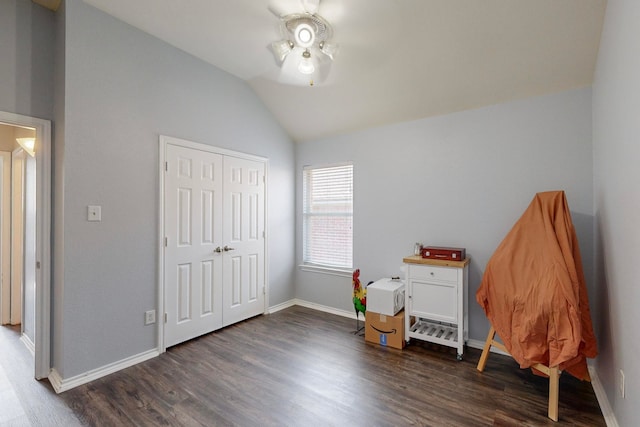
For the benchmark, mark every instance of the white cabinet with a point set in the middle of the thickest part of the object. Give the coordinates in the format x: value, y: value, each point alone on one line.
x: 436, y: 306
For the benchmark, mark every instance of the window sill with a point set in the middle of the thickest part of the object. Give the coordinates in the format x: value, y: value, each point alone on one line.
x: 326, y: 270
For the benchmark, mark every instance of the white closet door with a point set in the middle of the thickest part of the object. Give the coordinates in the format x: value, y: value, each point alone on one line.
x: 193, y: 227
x: 243, y: 235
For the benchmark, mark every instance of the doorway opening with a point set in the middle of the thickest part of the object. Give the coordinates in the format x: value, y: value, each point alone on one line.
x: 25, y: 220
x: 17, y: 230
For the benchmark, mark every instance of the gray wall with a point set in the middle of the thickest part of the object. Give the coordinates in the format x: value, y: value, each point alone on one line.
x: 616, y: 134
x: 57, y: 188
x: 123, y: 88
x: 26, y: 64
x: 457, y: 180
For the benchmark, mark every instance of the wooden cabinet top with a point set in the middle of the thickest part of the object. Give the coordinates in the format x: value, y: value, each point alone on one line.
x: 417, y: 259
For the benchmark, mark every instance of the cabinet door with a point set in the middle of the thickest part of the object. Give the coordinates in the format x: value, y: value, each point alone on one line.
x: 434, y: 301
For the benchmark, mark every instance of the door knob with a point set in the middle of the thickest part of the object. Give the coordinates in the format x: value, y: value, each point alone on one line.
x: 227, y: 248
x: 217, y: 250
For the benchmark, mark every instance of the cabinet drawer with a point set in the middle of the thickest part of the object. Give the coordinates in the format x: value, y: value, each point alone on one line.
x: 433, y: 273
x: 436, y: 301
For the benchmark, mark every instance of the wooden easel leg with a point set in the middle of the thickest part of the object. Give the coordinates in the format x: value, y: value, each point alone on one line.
x: 485, y: 351
x: 554, y: 373
x: 554, y: 389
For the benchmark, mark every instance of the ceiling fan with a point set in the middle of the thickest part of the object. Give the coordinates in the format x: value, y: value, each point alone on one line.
x: 306, y: 49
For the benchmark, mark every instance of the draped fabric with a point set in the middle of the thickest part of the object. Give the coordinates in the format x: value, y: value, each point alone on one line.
x: 533, y: 290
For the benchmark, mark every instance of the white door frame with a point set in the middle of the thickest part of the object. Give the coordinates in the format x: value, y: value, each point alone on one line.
x: 43, y: 239
x: 18, y: 171
x: 164, y: 140
x: 5, y: 237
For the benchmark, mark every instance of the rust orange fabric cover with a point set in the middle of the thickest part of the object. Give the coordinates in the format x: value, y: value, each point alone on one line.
x: 533, y: 290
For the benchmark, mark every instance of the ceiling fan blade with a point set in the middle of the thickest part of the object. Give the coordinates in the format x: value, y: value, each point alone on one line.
x: 310, y: 6
x: 276, y: 10
x: 333, y: 10
x: 282, y: 8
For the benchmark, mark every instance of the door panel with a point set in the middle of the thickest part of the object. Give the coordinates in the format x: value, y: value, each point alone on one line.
x: 236, y: 280
x: 243, y: 216
x: 193, y: 228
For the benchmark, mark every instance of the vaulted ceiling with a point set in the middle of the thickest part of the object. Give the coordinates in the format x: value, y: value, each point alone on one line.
x: 399, y: 60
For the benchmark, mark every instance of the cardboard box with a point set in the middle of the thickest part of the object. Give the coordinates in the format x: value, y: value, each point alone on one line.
x: 385, y: 330
x: 385, y: 296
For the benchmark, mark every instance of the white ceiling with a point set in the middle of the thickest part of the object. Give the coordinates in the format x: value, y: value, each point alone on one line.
x: 399, y: 60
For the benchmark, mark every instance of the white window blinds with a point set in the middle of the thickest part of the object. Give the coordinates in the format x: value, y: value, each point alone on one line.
x: 328, y: 216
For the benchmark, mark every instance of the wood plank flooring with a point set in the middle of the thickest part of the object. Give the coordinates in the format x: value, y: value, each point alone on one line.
x: 301, y: 367
x: 304, y: 367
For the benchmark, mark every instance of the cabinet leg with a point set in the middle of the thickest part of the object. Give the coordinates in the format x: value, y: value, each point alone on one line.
x: 459, y: 357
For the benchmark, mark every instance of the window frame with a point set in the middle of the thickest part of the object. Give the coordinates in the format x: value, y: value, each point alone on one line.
x: 307, y: 264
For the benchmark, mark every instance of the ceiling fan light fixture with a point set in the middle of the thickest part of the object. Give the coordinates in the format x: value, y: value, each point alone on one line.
x: 307, y: 33
x: 329, y: 49
x: 28, y: 144
x: 306, y: 64
x: 282, y: 48
x: 304, y: 35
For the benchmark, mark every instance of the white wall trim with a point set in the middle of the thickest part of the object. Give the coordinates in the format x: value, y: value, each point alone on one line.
x: 5, y: 236
x: 603, y: 401
x: 61, y: 384
x: 281, y: 306
x: 326, y: 309
x: 162, y: 158
x: 28, y: 343
x: 164, y: 139
x: 480, y: 345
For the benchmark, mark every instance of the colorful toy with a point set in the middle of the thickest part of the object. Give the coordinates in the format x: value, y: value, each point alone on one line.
x: 359, y: 298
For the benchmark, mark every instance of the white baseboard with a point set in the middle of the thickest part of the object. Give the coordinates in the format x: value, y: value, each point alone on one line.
x: 325, y: 308
x: 480, y: 345
x: 28, y: 343
x: 63, y: 384
x: 281, y: 306
x: 603, y: 400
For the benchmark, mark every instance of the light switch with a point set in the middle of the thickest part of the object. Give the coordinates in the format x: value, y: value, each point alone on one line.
x: 94, y: 213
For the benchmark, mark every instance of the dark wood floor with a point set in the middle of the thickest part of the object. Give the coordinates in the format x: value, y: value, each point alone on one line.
x: 304, y: 367
x: 301, y: 367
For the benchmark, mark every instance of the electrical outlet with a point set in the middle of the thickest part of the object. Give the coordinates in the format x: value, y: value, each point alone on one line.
x: 149, y: 317
x: 94, y: 213
x: 621, y: 383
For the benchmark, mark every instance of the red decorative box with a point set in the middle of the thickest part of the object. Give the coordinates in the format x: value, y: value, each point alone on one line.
x: 448, y: 254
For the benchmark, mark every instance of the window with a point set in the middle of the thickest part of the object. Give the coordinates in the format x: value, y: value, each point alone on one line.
x: 328, y: 216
